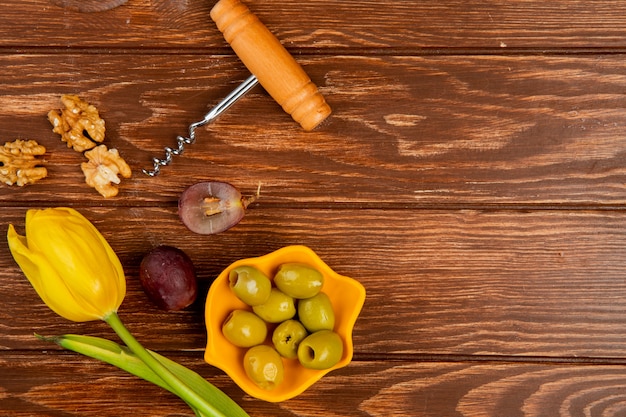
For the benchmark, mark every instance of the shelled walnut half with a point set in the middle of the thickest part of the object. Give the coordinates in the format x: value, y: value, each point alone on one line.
x: 103, y: 168
x: 19, y: 163
x: 79, y: 123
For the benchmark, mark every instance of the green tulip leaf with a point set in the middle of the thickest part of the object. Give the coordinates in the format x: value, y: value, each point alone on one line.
x: 114, y: 354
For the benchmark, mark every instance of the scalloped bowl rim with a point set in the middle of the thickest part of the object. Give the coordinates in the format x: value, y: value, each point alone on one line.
x: 346, y: 294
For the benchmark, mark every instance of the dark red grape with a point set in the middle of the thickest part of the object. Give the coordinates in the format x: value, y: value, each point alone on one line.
x: 211, y: 207
x: 168, y: 277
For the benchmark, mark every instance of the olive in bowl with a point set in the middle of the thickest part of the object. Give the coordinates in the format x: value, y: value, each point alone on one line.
x: 346, y: 295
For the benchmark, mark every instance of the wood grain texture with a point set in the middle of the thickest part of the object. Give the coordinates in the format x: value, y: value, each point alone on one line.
x: 370, y: 388
x: 471, y: 177
x: 545, y: 284
x: 367, y: 26
x: 406, y: 130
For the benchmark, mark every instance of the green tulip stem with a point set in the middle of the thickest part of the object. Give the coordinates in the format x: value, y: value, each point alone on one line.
x: 179, y: 387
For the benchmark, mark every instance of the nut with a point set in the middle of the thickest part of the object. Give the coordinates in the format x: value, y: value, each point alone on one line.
x: 18, y: 162
x: 79, y: 124
x: 103, y: 168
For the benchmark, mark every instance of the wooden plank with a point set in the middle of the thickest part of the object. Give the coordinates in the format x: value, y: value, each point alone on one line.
x: 405, y: 130
x: 65, y: 385
x: 530, y: 284
x: 497, y: 25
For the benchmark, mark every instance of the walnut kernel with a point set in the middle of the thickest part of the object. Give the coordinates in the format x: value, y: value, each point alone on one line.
x: 103, y: 168
x: 79, y: 124
x: 18, y: 162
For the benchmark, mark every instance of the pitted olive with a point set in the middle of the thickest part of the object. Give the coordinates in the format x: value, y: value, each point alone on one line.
x: 320, y: 350
x: 264, y: 366
x: 316, y: 313
x: 250, y: 285
x: 278, y: 307
x: 244, y: 329
x: 287, y: 336
x: 298, y: 280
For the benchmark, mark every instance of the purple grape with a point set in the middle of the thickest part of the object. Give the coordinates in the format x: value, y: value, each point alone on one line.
x: 168, y: 277
x: 211, y: 207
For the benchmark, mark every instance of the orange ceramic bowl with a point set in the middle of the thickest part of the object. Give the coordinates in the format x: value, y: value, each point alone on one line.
x: 346, y: 294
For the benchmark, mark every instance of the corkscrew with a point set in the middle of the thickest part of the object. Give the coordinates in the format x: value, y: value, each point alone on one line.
x: 270, y: 65
x: 220, y: 108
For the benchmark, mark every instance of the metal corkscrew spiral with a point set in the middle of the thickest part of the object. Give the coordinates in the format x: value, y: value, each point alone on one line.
x: 182, y: 141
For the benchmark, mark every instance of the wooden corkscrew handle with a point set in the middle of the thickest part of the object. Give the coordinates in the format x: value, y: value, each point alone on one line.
x: 266, y: 58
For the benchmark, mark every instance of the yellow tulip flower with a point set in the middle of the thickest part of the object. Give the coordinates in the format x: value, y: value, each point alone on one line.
x: 69, y: 263
x: 77, y: 274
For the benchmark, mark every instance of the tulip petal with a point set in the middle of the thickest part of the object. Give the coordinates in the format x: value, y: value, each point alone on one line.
x: 45, y: 280
x: 96, y: 250
x: 72, y: 244
x: 69, y: 263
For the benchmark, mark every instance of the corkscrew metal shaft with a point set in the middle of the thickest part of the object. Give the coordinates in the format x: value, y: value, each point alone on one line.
x: 219, y: 108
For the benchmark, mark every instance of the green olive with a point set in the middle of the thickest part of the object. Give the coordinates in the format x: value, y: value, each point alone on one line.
x: 264, y: 366
x: 316, y: 313
x: 298, y: 280
x: 278, y: 307
x: 320, y: 350
x: 287, y: 336
x: 250, y: 285
x: 243, y: 328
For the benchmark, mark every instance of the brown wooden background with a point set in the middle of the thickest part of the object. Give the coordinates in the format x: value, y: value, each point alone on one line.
x: 471, y: 177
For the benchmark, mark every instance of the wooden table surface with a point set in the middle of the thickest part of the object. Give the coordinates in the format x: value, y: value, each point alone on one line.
x: 471, y: 177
